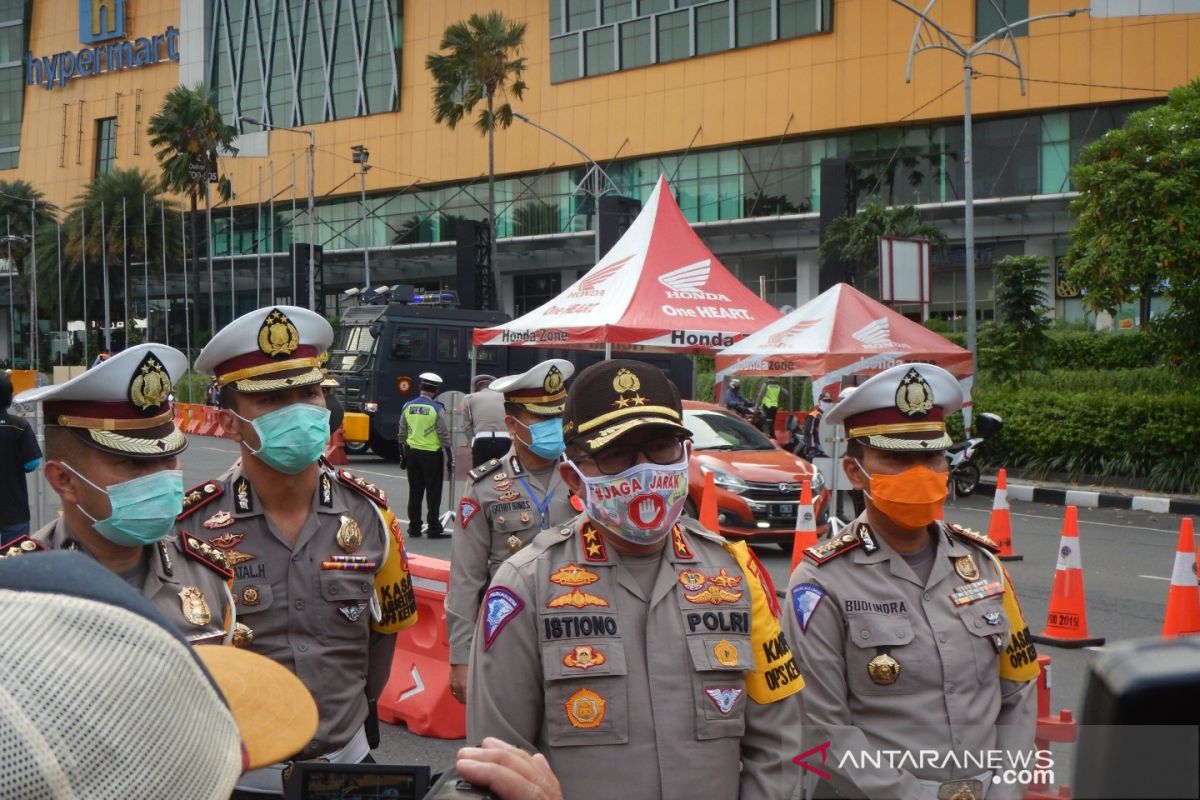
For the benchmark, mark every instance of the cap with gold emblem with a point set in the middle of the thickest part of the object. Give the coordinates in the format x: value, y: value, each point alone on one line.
x: 902, y: 408
x: 121, y: 405
x: 611, y: 398
x: 541, y: 390
x: 269, y: 349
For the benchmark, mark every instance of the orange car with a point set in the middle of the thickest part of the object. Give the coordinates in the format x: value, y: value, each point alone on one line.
x: 757, y: 481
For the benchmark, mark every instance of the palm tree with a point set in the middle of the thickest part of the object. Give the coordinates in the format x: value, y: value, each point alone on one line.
x: 855, y: 240
x: 189, y: 134
x: 482, y: 63
x: 23, y: 212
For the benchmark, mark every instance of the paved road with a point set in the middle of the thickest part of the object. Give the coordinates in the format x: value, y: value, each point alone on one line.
x: 1127, y: 557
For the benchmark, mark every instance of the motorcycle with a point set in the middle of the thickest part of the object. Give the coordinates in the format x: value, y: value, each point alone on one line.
x: 964, y: 474
x: 796, y: 443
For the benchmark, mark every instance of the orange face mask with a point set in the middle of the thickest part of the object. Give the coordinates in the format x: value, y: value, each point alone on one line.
x: 912, y: 498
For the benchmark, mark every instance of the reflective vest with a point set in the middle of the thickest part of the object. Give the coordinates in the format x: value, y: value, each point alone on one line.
x: 420, y: 416
x: 771, y: 398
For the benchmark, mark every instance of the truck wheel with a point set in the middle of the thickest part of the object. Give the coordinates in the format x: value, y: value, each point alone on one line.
x: 357, y: 448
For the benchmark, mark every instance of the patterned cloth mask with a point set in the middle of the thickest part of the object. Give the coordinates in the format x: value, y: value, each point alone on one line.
x: 641, y: 504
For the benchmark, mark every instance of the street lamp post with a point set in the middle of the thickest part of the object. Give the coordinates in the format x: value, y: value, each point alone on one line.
x: 597, y: 180
x: 938, y: 38
x: 311, y: 152
x: 360, y: 154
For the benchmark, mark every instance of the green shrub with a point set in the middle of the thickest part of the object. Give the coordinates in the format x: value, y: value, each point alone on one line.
x: 192, y: 388
x: 1092, y: 350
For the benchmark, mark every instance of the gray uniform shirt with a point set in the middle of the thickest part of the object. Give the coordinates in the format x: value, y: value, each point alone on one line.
x: 501, y: 511
x: 865, y: 602
x: 189, y: 590
x: 483, y: 412
x: 628, y: 694
x: 311, y: 619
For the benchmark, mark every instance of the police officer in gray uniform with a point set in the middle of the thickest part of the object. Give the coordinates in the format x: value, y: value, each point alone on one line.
x: 508, y: 500
x: 112, y: 451
x: 483, y: 421
x: 908, y: 629
x: 314, y: 549
x: 638, y: 652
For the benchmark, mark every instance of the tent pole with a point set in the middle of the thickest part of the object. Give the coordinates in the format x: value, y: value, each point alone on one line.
x: 696, y: 373
x: 608, y: 351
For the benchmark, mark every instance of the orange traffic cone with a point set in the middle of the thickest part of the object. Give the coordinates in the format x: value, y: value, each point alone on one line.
x: 806, y: 525
x: 1000, y: 523
x: 1066, y: 620
x: 708, y: 505
x: 1183, y: 598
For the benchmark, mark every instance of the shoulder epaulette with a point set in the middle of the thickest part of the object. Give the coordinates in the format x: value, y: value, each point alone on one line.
x: 204, y: 553
x: 485, y: 468
x: 699, y: 531
x: 200, y: 496
x: 827, y: 551
x: 973, y: 536
x: 20, y: 546
x: 363, y: 487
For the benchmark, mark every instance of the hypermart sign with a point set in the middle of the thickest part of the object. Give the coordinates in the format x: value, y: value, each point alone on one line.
x: 102, y: 26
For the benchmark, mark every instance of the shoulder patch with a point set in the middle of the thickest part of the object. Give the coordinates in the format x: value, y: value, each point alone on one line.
x: 500, y: 605
x: 805, y: 599
x: 484, y: 469
x: 200, y: 496
x: 204, y: 553
x: 827, y: 551
x: 363, y: 487
x: 973, y: 536
x: 20, y: 546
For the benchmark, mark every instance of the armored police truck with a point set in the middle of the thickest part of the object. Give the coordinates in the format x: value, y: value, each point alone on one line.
x: 379, y: 350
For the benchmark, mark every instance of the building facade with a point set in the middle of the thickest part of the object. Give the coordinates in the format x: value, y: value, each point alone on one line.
x: 736, y: 101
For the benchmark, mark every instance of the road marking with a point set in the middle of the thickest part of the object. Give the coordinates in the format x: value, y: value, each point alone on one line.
x: 1154, y: 577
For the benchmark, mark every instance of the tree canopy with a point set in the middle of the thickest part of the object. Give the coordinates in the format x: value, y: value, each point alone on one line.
x: 855, y: 239
x: 1137, y: 218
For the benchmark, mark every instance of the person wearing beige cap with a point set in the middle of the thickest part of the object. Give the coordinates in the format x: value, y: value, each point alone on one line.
x: 908, y: 628
x: 483, y: 421
x: 640, y: 653
x: 112, y: 456
x: 319, y: 570
x: 508, y: 500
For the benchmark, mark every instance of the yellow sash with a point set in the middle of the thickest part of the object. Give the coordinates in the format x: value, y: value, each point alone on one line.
x: 1018, y: 661
x: 393, y: 587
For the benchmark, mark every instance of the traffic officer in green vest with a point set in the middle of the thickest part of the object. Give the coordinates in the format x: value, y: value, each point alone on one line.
x: 426, y: 455
x: 508, y: 500
x: 768, y: 401
x: 112, y: 456
x: 907, y: 628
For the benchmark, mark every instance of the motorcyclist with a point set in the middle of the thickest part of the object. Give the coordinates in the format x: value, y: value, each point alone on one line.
x: 734, y: 400
x: 810, y: 434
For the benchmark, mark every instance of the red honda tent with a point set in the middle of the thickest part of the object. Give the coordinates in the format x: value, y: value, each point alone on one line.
x: 659, y: 289
x: 840, y: 332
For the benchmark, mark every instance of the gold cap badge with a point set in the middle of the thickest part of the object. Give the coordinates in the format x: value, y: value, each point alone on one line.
x: 151, y: 385
x: 553, y: 382
x: 278, y: 336
x: 914, y: 396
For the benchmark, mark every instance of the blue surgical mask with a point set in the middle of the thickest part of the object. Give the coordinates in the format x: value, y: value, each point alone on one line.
x: 547, y: 440
x: 143, y: 509
x: 292, y: 438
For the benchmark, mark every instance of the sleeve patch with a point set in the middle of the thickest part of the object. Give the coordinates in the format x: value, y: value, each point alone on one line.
x: 500, y: 605
x: 805, y: 599
x: 467, y: 509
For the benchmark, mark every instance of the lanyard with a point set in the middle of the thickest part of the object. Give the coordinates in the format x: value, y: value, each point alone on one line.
x: 543, y: 505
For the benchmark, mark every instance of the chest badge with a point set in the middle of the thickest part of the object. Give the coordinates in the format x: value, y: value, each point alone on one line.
x: 195, y: 607
x: 573, y: 575
x: 577, y: 599
x: 508, y: 497
x: 724, y: 698
x: 250, y: 596
x: 714, y: 595
x: 992, y: 617
x: 584, y: 656
x: 883, y: 669
x: 966, y: 569
x: 503, y: 486
x: 585, y: 709
x: 227, y: 540
x: 219, y: 520
x: 352, y: 613
x: 499, y: 476
x: 513, y: 542
x: 349, y: 536
x: 726, y: 653
x: 692, y: 580
x: 243, y: 635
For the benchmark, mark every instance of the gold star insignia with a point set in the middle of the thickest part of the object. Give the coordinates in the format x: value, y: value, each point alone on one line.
x: 622, y: 402
x: 638, y: 400
x: 593, y: 549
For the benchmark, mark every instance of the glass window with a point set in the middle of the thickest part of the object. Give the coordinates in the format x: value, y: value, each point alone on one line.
x: 410, y: 343
x: 535, y: 289
x: 992, y: 15
x: 12, y: 43
x: 564, y: 57
x: 616, y: 10
x: 448, y: 348
x: 601, y: 55
x: 1056, y: 153
x: 581, y: 14
x: 653, y: 6
x: 712, y: 28
x: 753, y: 22
x: 673, y: 36
x: 556, y: 17
x: 106, y: 144
x: 635, y: 44
x: 1006, y: 157
x: 802, y: 17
